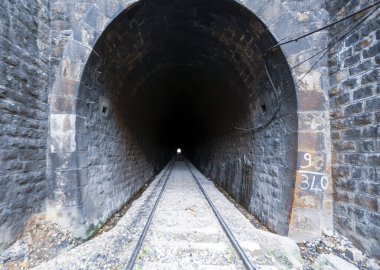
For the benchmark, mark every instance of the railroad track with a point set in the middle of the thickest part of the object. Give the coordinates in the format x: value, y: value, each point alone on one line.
x: 166, y: 175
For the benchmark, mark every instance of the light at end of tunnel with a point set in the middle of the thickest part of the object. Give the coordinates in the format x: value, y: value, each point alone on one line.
x: 179, y: 151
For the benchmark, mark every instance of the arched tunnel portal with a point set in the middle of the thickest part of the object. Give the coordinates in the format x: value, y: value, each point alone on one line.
x: 168, y: 74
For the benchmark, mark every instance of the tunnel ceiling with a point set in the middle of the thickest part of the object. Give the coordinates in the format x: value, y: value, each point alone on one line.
x: 180, y: 72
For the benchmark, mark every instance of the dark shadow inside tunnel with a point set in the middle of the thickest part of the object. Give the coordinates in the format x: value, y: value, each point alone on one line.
x: 185, y: 106
x: 168, y: 74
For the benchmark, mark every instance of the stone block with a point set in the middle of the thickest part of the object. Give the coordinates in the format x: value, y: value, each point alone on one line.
x: 366, y: 146
x: 349, y: 83
x: 354, y: 158
x: 70, y: 69
x: 370, y: 77
x: 361, y: 68
x: 368, y: 202
x: 67, y: 197
x: 354, y: 108
x: 353, y: 38
x: 65, y: 87
x: 351, y: 134
x: 62, y: 133
x: 346, y: 53
x: 86, y: 35
x: 373, y: 160
x: 342, y: 99
x: 373, y: 104
x: 331, y: 262
x: 372, y: 51
x: 67, y: 179
x: 305, y: 224
x: 369, y: 188
x: 363, y: 43
x: 354, y: 254
x: 363, y: 92
x: 351, y: 60
x: 63, y: 104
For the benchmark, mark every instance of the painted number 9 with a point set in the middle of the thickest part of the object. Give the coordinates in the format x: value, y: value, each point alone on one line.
x: 307, y: 157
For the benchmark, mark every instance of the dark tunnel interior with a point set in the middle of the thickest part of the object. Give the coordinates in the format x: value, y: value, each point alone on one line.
x: 177, y: 69
x: 183, y: 106
x: 168, y: 74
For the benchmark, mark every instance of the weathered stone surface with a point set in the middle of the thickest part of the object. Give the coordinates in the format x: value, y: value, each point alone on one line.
x: 97, y: 160
x: 24, y: 53
x: 353, y: 181
x: 354, y: 254
x: 331, y: 262
x: 245, y: 58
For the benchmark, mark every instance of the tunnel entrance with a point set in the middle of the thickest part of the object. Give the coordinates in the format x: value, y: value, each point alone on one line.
x: 191, y: 74
x: 180, y: 73
x: 194, y: 74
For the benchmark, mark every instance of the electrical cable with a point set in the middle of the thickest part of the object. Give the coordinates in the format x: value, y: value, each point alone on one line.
x: 322, y: 28
x: 277, y: 99
x: 328, y: 48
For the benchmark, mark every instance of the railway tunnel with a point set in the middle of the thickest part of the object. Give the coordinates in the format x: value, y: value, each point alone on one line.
x: 189, y: 74
x: 96, y: 96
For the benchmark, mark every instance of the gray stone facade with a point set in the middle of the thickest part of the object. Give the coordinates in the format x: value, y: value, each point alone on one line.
x: 88, y: 96
x: 355, y: 130
x: 24, y: 68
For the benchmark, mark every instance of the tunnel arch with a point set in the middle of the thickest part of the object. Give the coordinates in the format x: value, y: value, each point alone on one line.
x: 116, y: 92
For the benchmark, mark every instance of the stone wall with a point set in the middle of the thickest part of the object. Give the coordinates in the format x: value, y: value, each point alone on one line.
x: 116, y: 162
x: 257, y: 166
x: 24, y: 65
x: 265, y: 169
x: 77, y: 25
x: 355, y: 115
x: 96, y: 161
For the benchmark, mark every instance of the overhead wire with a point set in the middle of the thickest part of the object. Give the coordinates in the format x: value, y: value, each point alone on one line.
x: 277, y: 100
x: 330, y: 47
x: 325, y: 50
x: 322, y: 28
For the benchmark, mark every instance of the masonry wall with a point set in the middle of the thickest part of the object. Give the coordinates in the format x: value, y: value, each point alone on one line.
x: 101, y: 163
x: 24, y: 50
x: 255, y: 160
x: 84, y: 141
x: 78, y: 24
x: 355, y: 116
x: 257, y: 166
x: 116, y: 162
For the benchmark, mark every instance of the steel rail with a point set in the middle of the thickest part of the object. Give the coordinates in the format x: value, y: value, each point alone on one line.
x: 247, y: 262
x: 139, y: 243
